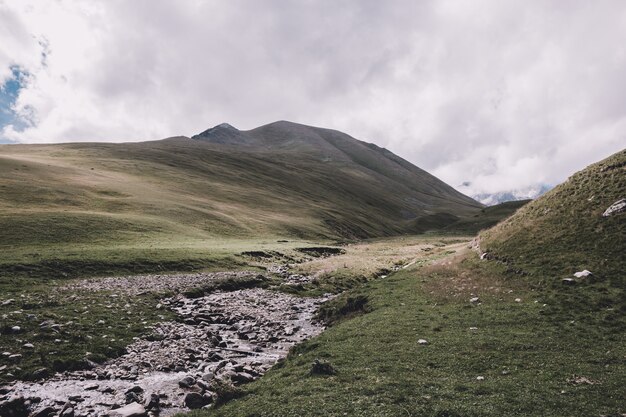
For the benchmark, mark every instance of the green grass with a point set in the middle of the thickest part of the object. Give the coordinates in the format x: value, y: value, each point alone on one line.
x: 526, y: 352
x: 564, y: 232
x: 93, y: 327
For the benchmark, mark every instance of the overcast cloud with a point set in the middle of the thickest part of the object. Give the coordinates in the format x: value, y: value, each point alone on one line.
x: 503, y: 94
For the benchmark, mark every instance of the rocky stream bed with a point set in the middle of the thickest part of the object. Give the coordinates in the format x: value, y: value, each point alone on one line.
x: 219, y: 341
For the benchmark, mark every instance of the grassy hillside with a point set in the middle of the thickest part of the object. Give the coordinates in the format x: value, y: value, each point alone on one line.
x: 564, y: 231
x: 173, y: 203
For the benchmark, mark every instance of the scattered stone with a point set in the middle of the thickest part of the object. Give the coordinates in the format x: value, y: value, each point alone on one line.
x: 615, y: 208
x: 582, y: 274
x: 568, y: 281
x: 322, y: 368
x: 480, y: 378
x: 211, y: 347
x: 41, y: 373
x: 195, y: 400
x: 14, y: 407
x: 422, y: 342
x: 68, y: 411
x: 130, y: 410
x: 579, y: 380
x: 518, y: 300
x: 28, y: 346
x: 187, y: 382
x: 46, y: 412
x: 242, y: 378
x: 16, y: 329
x: 153, y: 402
x: 474, y: 300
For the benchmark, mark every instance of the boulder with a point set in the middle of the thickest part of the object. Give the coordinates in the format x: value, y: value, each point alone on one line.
x: 615, y: 208
x: 582, y: 274
x: 195, y: 400
x: 45, y: 412
x: 187, y: 382
x: 130, y: 410
x: 14, y: 407
x: 322, y: 368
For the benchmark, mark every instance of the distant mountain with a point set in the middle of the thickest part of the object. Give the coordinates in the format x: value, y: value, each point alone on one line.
x: 281, y: 179
x: 491, y: 199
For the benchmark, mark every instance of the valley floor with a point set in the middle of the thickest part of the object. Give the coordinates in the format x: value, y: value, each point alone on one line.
x: 458, y: 337
x: 421, y: 327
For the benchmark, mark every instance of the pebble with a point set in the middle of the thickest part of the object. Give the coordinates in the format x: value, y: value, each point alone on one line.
x: 422, y: 342
x: 204, y: 343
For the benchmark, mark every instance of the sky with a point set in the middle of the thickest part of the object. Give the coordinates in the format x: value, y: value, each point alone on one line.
x: 498, y: 95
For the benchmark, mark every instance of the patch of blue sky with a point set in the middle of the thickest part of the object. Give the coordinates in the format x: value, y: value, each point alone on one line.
x: 9, y: 92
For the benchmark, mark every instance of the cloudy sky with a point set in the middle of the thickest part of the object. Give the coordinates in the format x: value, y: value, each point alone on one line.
x: 502, y: 94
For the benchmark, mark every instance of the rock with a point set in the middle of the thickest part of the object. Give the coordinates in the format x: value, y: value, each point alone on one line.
x: 16, y: 329
x: 568, y: 281
x: 484, y: 255
x: 187, y: 382
x: 480, y: 378
x: 153, y: 402
x: 322, y: 368
x: 41, y: 373
x: 45, y: 412
x: 474, y: 300
x: 67, y: 412
x: 132, y: 397
x: 196, y: 400
x: 615, y: 208
x: 518, y: 300
x: 422, y: 342
x: 242, y: 378
x: 583, y: 274
x: 136, y: 389
x: 14, y: 407
x: 28, y: 346
x: 130, y: 410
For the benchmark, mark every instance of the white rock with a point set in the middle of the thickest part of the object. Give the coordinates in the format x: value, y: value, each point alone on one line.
x: 480, y: 378
x: 28, y: 346
x: 131, y: 410
x: 518, y: 300
x: 582, y: 274
x: 615, y: 208
x: 422, y: 342
x: 474, y: 300
x: 16, y: 329
x: 473, y: 328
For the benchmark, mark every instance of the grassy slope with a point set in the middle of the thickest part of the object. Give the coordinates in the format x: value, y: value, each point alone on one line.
x: 526, y: 351
x: 173, y: 203
x: 564, y: 231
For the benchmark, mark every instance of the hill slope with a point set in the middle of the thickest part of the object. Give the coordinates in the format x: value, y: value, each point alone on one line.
x: 564, y: 231
x: 279, y: 180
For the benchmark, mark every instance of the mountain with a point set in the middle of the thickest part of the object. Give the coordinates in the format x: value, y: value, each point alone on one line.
x: 279, y: 180
x: 519, y: 194
x: 565, y: 231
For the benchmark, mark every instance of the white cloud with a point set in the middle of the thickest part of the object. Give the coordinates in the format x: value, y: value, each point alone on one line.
x: 500, y: 93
